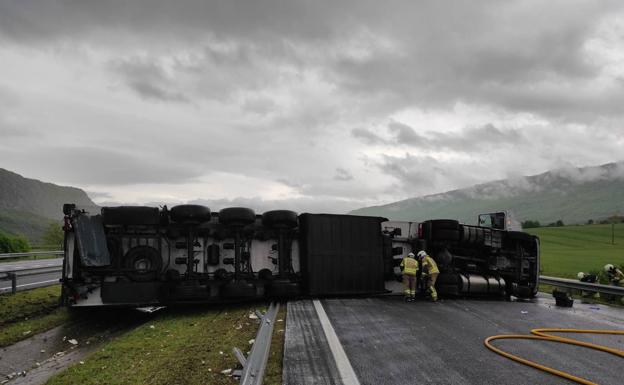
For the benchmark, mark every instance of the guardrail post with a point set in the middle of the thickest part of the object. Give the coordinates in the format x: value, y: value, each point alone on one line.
x: 13, y: 282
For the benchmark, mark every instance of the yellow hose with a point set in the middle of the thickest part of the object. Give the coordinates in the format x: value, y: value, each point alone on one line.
x: 542, y: 335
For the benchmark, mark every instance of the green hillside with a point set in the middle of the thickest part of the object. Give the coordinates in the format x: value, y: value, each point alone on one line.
x: 27, y: 206
x: 31, y: 225
x: 570, y: 249
x: 573, y: 196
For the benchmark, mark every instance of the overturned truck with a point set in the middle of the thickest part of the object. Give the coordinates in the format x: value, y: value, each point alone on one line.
x: 141, y: 256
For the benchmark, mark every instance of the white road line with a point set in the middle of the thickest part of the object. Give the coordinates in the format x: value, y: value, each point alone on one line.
x: 347, y: 374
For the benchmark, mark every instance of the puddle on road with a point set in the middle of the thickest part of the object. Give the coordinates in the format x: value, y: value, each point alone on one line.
x: 34, y: 360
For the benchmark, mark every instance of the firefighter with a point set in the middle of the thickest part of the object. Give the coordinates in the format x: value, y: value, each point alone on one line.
x: 409, y: 266
x: 430, y: 274
x: 616, y: 277
x: 589, y: 278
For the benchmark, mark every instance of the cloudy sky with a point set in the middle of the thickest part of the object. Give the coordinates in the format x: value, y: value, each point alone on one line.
x: 308, y: 105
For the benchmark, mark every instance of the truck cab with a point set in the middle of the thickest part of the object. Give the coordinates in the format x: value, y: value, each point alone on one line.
x: 493, y: 258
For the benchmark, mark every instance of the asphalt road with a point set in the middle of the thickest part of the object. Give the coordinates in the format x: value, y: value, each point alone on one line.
x: 388, y: 341
x: 31, y: 281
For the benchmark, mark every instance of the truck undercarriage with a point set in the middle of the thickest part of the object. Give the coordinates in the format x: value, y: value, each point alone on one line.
x: 139, y: 256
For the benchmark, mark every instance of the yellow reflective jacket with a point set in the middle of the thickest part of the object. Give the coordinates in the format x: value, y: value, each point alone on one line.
x: 617, y: 277
x: 429, y: 266
x: 409, y: 266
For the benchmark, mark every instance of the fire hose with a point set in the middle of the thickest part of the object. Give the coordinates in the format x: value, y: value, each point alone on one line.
x: 542, y: 335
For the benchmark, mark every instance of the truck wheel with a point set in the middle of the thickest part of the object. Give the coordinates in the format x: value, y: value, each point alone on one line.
x: 237, y: 216
x: 265, y: 274
x: 280, y: 219
x: 446, y: 235
x: 444, y: 224
x: 145, y: 263
x: 222, y: 274
x: 238, y: 289
x: 519, y: 236
x: 189, y: 214
x: 130, y: 215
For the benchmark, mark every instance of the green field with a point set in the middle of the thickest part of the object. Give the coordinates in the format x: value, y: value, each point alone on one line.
x: 569, y: 249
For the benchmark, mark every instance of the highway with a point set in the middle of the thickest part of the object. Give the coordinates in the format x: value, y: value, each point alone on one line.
x: 387, y: 341
x: 31, y: 281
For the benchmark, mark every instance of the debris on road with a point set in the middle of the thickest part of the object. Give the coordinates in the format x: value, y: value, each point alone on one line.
x: 73, y: 342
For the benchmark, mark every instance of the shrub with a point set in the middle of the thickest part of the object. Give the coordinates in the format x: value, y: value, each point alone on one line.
x: 530, y: 224
x: 16, y: 244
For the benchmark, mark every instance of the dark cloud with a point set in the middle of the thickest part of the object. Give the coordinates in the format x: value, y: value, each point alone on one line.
x: 404, y: 134
x: 469, y: 139
x: 367, y: 136
x: 148, y: 80
x: 342, y: 175
x: 97, y: 166
x: 269, y: 90
x: 511, y: 55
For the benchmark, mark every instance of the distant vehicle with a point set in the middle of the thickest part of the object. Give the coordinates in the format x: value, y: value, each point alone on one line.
x: 140, y: 256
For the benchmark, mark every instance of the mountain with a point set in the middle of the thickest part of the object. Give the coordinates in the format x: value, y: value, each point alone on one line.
x: 27, y: 206
x: 573, y: 195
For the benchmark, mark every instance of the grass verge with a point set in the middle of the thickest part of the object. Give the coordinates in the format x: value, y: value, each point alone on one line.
x: 273, y: 375
x: 180, y: 346
x: 29, y: 312
x: 569, y: 249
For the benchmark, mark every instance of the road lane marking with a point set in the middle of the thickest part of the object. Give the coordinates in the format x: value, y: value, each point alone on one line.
x: 347, y: 374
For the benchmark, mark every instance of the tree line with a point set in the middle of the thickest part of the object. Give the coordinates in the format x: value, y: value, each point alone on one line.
x: 528, y: 224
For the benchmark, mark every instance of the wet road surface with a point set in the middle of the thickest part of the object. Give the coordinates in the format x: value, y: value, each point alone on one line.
x: 31, y: 281
x: 388, y: 341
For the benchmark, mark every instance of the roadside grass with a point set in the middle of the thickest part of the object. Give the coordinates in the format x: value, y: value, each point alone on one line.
x: 29, y: 312
x: 568, y: 250
x: 181, y: 346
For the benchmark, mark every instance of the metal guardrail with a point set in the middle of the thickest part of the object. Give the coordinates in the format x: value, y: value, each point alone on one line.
x: 15, y: 274
x: 584, y: 286
x: 30, y: 254
x: 254, y: 365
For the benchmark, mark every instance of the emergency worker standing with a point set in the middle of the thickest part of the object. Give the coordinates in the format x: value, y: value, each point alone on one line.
x: 409, y: 266
x: 430, y: 274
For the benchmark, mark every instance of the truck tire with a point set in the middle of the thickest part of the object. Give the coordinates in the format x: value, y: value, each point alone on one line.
x: 519, y: 236
x: 130, y: 216
x: 190, y: 214
x: 145, y: 263
x: 222, y: 274
x: 284, y: 289
x: 280, y: 219
x: 237, y: 216
x: 238, y: 289
x: 445, y: 235
x: 444, y: 224
x: 265, y: 274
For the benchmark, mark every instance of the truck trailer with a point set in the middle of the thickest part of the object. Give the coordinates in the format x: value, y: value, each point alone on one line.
x: 148, y: 256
